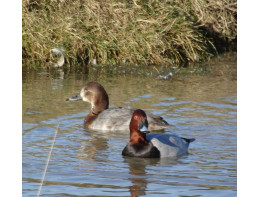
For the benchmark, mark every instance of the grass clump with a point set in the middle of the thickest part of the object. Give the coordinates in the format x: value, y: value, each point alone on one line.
x: 116, y: 32
x: 218, y: 19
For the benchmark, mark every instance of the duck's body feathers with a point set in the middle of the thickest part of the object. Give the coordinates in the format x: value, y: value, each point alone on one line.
x: 118, y: 118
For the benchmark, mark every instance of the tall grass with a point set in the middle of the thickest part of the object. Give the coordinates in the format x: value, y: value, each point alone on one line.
x: 116, y: 32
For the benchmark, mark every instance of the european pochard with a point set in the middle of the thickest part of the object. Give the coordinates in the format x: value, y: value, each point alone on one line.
x: 101, y: 117
x: 145, y: 145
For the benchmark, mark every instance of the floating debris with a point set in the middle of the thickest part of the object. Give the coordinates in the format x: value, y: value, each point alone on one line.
x: 94, y: 62
x: 61, y: 61
x: 166, y: 76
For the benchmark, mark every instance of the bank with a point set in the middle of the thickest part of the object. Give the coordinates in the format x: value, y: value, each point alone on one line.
x: 127, y: 32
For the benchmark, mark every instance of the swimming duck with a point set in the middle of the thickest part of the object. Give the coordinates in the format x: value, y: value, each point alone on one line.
x: 152, y: 145
x: 101, y: 117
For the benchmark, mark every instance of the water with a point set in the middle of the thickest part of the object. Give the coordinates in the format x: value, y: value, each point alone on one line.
x: 89, y: 163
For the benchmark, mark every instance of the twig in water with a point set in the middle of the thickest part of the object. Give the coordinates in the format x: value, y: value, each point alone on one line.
x: 47, y: 162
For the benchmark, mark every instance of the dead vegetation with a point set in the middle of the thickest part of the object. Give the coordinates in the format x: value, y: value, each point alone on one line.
x: 125, y: 32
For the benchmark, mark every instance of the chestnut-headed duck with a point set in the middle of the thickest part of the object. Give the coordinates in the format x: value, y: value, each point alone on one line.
x: 152, y: 145
x: 101, y: 117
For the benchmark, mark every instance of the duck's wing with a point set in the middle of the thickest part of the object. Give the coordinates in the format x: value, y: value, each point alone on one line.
x: 169, y: 145
x: 156, y: 122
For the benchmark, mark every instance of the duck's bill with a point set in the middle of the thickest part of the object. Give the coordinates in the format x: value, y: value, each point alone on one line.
x: 74, y: 98
x: 144, y: 129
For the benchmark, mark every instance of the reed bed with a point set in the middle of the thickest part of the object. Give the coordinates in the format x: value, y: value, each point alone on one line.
x: 126, y: 32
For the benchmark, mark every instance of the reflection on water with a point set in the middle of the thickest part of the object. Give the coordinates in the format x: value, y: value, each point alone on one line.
x: 87, y: 163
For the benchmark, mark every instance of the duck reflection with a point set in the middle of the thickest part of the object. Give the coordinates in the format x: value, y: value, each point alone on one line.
x: 138, y: 174
x: 90, y: 148
x: 137, y: 168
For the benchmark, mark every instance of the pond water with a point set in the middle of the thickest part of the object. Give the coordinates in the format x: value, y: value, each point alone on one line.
x: 89, y: 163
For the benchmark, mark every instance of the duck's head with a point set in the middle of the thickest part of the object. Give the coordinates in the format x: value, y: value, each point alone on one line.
x: 138, y: 128
x: 95, y: 94
x: 139, y: 121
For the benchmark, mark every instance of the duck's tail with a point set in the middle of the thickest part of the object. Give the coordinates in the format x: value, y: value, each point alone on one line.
x: 188, y: 140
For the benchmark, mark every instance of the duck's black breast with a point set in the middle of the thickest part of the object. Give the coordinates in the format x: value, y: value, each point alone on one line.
x: 142, y: 151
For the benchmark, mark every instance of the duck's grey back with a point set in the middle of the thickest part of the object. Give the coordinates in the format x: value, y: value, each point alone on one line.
x: 118, y: 118
x: 113, y: 119
x: 169, y: 145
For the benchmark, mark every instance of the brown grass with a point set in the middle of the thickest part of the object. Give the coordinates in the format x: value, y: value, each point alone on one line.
x: 119, y: 32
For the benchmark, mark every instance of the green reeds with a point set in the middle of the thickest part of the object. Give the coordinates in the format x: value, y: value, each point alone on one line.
x: 125, y: 32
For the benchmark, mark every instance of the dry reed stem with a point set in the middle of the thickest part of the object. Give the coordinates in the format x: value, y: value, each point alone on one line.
x: 113, y: 31
x: 47, y: 161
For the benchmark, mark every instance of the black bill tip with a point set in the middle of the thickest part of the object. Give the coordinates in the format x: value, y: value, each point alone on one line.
x: 74, y: 98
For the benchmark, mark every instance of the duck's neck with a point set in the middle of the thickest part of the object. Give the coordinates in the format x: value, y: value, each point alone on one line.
x: 97, y: 107
x: 90, y: 118
x: 136, y: 137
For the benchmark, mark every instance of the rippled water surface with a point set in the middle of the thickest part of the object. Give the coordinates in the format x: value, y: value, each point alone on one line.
x: 89, y: 163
